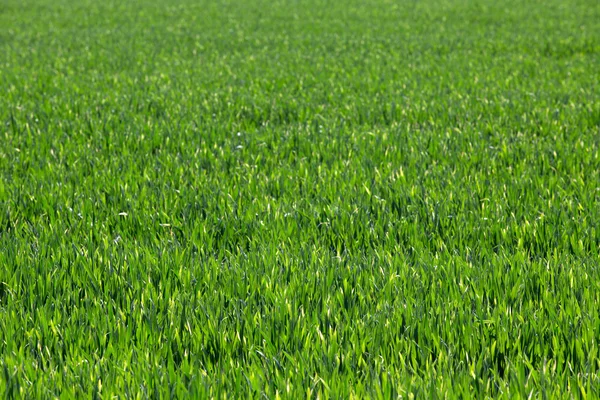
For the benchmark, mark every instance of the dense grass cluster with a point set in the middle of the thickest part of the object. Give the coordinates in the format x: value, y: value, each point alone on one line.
x: 300, y: 198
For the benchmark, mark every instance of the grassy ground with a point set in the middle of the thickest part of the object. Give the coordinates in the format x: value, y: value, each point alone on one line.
x: 318, y: 198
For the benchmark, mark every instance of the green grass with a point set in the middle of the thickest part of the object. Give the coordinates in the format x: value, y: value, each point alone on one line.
x: 325, y: 199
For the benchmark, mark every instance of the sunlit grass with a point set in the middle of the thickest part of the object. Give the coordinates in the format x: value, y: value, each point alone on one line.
x: 299, y: 199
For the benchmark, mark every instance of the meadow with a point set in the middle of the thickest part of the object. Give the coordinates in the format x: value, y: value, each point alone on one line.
x: 300, y: 199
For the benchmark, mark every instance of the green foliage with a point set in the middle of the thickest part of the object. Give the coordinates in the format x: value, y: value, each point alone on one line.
x: 300, y: 199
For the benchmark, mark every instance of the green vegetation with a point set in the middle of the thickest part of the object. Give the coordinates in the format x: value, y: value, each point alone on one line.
x: 300, y: 198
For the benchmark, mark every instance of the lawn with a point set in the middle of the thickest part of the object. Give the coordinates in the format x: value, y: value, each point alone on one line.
x: 289, y: 199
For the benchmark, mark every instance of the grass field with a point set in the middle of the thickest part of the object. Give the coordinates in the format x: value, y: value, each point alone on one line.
x: 324, y: 199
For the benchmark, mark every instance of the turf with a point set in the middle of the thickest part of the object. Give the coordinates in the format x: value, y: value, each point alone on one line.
x: 324, y: 199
